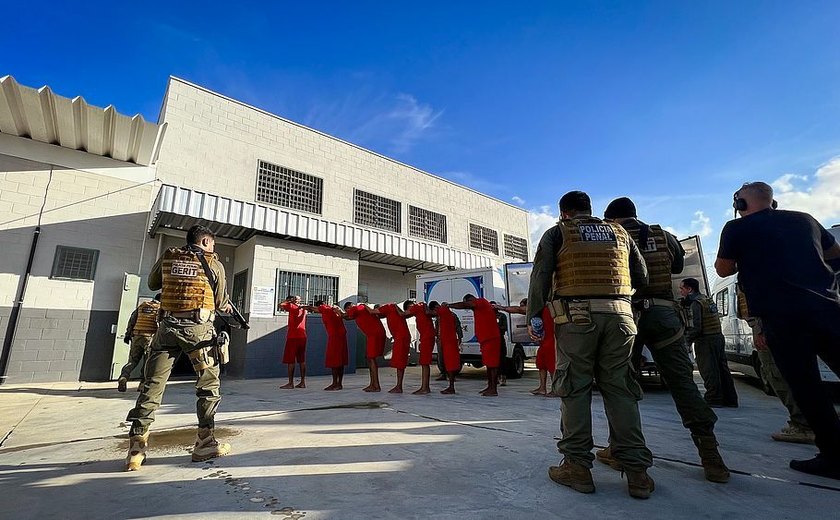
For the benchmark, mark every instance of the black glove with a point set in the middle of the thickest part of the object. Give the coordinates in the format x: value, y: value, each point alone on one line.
x: 127, y: 340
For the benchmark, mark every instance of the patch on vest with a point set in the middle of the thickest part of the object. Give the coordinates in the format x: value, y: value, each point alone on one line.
x: 650, y: 247
x: 596, y: 233
x: 184, y: 269
x: 148, y: 310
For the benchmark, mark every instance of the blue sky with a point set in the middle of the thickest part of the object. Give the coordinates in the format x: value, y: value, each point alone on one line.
x: 672, y: 103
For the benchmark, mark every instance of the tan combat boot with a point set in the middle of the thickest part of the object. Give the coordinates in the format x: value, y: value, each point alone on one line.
x: 639, y: 483
x: 794, y: 433
x: 713, y: 466
x: 207, y: 447
x: 136, y: 451
x: 575, y: 476
x: 605, y: 456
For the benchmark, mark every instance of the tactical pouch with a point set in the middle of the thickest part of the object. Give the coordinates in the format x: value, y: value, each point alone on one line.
x: 201, y: 358
x: 222, y: 354
x: 557, y: 309
x: 579, y: 312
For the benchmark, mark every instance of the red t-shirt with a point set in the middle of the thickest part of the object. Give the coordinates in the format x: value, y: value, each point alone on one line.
x: 446, y: 322
x: 297, y: 320
x: 396, y: 323
x: 332, y: 321
x: 366, y: 321
x: 486, y: 326
x: 425, y: 326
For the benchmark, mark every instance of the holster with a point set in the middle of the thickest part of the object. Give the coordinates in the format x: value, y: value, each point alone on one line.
x: 221, y: 353
x: 202, y: 358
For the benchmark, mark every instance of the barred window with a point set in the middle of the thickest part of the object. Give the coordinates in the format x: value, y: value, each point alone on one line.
x: 423, y: 223
x: 516, y: 247
x: 375, y: 211
x: 291, y: 189
x: 310, y: 287
x: 484, y: 238
x: 74, y: 263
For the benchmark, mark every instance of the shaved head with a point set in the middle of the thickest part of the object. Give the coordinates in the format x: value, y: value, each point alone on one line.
x: 759, y: 196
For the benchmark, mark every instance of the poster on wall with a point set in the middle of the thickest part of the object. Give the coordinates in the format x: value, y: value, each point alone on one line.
x: 262, y: 302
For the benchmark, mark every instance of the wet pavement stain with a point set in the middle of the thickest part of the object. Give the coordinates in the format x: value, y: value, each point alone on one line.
x: 242, y: 487
x: 181, y: 439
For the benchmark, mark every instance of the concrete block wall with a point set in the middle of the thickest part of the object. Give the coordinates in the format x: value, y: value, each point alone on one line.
x: 386, y: 285
x: 214, y: 144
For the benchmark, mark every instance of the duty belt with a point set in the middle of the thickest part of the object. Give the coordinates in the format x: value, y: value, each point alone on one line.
x: 198, y: 315
x: 646, y: 303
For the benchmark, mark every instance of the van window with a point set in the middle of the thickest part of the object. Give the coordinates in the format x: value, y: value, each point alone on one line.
x: 722, y: 302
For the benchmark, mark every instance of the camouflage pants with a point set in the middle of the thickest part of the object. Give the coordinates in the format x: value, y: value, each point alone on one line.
x: 599, y: 351
x: 774, y: 378
x: 175, y: 337
x: 139, y: 347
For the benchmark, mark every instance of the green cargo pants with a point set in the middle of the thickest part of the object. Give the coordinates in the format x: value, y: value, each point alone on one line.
x: 139, y: 347
x: 710, y: 354
x: 773, y: 377
x: 661, y: 329
x: 601, y: 351
x: 174, y: 337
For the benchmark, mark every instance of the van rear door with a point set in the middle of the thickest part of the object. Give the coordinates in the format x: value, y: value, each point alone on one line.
x: 695, y: 266
x: 517, y: 278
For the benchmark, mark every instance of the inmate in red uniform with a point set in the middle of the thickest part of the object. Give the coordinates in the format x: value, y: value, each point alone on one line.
x: 336, y: 355
x: 399, y: 331
x: 448, y: 339
x: 426, y: 328
x: 371, y: 327
x: 295, y: 349
x: 487, y: 332
x: 546, y: 355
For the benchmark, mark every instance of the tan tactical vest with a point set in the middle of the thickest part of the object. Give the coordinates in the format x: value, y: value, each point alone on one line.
x: 658, y: 259
x: 147, y: 315
x: 185, y: 286
x: 594, y: 259
x: 710, y: 316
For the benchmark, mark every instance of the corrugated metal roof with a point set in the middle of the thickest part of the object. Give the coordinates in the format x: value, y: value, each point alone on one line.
x: 41, y: 115
x: 180, y: 208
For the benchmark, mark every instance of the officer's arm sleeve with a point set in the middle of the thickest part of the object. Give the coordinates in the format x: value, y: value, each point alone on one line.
x: 155, y: 281
x: 638, y: 268
x: 545, y: 260
x: 221, y: 285
x: 132, y: 320
x: 696, y: 324
x: 678, y: 264
x: 459, y: 330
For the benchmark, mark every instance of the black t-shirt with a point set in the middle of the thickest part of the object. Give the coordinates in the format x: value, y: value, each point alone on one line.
x: 780, y: 262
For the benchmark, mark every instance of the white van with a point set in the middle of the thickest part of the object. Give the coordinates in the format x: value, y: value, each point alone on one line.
x: 740, y: 351
x: 506, y: 285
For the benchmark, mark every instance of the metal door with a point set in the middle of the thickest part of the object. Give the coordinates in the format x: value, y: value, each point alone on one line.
x: 128, y: 302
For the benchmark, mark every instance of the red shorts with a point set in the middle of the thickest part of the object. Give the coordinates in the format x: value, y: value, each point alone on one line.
x: 427, y: 345
x: 375, y: 346
x: 451, y: 357
x: 547, y: 358
x: 336, y: 355
x: 295, y: 351
x: 399, y: 354
x: 491, y: 350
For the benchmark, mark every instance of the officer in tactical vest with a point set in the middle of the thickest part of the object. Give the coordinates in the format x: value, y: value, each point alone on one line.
x: 704, y: 331
x: 585, y: 269
x: 142, y: 326
x: 661, y: 328
x: 193, y: 288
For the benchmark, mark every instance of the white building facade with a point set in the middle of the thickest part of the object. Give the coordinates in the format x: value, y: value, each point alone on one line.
x: 296, y: 211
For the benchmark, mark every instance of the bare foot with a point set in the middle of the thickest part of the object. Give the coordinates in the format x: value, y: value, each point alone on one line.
x: 538, y: 391
x: 396, y: 390
x: 372, y: 389
x: 338, y: 387
x: 490, y: 393
x: 301, y: 385
x: 287, y: 386
x: 422, y: 391
x: 331, y: 387
x: 484, y: 390
x: 448, y: 391
x: 551, y: 394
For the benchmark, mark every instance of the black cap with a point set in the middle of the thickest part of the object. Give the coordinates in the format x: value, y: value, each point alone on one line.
x: 621, y: 207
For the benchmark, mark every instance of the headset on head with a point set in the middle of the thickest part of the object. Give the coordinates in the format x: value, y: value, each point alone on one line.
x: 740, y: 204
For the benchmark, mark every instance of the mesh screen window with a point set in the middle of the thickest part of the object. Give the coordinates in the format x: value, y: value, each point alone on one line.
x: 74, y: 263
x: 310, y: 287
x: 516, y: 247
x: 423, y: 223
x: 376, y: 211
x: 291, y: 189
x: 484, y: 238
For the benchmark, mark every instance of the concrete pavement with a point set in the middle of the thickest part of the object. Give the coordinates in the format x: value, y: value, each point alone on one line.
x: 345, y: 455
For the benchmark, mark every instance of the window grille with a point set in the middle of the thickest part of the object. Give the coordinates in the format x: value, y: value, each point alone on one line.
x: 291, y: 189
x: 516, y: 247
x: 423, y: 223
x: 484, y: 238
x: 376, y: 211
x: 74, y: 263
x: 310, y: 287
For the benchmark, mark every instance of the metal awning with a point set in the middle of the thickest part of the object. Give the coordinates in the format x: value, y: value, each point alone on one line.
x: 41, y: 115
x: 181, y: 208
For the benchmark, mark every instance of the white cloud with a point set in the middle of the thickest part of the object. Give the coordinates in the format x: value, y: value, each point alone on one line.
x: 701, y: 225
x: 413, y: 119
x: 821, y: 198
x: 539, y: 221
x: 519, y: 201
